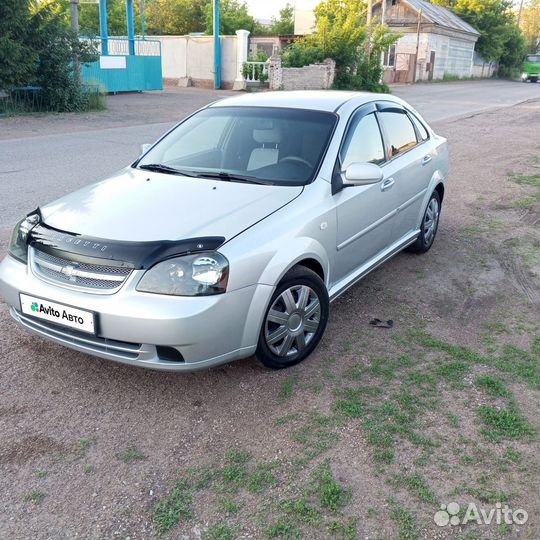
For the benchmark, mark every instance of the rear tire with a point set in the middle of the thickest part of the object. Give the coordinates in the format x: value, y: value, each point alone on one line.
x: 295, y: 319
x: 429, y: 226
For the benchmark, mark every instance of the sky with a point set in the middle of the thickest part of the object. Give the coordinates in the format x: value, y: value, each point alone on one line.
x: 265, y: 9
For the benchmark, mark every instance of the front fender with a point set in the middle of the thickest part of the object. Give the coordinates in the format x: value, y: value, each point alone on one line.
x: 297, y: 250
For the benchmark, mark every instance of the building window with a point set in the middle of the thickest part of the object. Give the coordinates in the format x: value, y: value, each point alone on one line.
x: 390, y: 56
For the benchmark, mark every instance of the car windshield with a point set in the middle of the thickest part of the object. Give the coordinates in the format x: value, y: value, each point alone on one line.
x: 245, y: 144
x: 533, y: 58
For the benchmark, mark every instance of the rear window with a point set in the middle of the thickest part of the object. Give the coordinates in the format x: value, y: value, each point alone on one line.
x: 533, y: 58
x: 400, y: 132
x: 424, y: 135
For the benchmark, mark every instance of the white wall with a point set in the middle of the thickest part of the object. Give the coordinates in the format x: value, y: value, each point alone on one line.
x: 453, y: 56
x: 192, y: 57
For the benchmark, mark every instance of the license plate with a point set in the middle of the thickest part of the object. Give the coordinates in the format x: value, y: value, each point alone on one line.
x: 61, y: 314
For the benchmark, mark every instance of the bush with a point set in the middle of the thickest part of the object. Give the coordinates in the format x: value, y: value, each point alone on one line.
x: 52, y: 48
x: 302, y: 52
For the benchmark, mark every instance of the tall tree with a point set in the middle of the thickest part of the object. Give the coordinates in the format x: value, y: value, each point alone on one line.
x: 116, y: 18
x: 17, y: 58
x: 176, y: 17
x: 284, y: 24
x: 233, y: 16
x: 530, y: 24
x: 493, y: 19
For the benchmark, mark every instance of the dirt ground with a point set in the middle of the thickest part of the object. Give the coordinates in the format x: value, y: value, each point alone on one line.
x: 366, y: 439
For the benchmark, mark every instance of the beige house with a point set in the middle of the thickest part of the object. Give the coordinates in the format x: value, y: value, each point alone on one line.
x: 435, y: 41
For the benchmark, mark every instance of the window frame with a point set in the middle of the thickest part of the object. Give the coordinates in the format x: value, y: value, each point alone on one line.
x: 356, y: 116
x: 388, y: 54
x: 390, y: 106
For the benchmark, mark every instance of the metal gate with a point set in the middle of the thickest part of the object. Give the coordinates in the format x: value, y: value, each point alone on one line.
x: 120, y: 71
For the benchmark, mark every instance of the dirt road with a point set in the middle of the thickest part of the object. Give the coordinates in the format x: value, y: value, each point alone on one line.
x: 366, y: 439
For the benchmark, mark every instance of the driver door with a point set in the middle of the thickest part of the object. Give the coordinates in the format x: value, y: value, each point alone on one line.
x: 364, y: 213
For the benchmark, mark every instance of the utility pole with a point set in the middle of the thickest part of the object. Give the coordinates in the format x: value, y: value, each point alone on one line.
x: 217, y: 48
x: 519, y: 12
x: 368, y: 22
x: 417, y: 44
x: 74, y: 4
x: 383, y: 21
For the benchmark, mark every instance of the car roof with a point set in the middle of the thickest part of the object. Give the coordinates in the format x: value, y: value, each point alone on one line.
x: 319, y: 100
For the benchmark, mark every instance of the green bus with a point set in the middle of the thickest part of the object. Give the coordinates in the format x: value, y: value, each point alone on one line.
x: 531, y: 68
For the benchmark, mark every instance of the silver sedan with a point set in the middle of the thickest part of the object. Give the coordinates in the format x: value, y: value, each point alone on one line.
x: 231, y: 235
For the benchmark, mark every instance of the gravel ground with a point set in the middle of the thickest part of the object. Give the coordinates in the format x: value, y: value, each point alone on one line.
x: 89, y: 448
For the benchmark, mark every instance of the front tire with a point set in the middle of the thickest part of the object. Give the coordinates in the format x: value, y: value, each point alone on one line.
x: 429, y: 226
x: 295, y: 319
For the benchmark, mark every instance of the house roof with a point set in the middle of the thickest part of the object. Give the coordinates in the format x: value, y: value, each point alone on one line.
x: 441, y: 16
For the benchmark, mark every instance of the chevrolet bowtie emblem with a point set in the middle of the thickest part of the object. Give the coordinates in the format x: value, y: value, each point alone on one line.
x: 68, y: 271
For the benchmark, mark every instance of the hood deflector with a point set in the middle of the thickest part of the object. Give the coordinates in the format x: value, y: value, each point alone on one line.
x: 137, y: 255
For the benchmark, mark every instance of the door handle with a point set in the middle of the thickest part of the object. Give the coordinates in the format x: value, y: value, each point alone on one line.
x: 387, y: 184
x: 426, y: 159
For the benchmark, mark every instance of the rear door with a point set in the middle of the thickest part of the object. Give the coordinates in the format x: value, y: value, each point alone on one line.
x: 410, y: 164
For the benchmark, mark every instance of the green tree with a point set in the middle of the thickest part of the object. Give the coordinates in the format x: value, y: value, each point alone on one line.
x: 500, y: 38
x: 17, y: 58
x: 176, y: 17
x: 284, y: 24
x: 116, y: 18
x: 233, y: 16
x: 55, y: 45
x: 530, y: 24
x: 341, y: 33
x: 39, y: 48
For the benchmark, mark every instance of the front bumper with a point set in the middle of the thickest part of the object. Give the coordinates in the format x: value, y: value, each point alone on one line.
x: 134, y: 326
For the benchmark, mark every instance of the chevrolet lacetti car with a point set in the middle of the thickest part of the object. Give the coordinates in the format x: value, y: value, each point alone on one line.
x: 230, y: 235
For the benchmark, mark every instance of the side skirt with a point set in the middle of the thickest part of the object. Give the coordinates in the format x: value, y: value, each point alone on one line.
x: 341, y: 286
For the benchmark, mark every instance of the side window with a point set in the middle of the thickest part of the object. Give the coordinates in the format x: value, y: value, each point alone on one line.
x: 399, y: 130
x: 424, y: 135
x: 363, y: 143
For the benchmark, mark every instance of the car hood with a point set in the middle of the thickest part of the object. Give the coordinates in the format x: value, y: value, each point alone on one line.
x: 137, y: 205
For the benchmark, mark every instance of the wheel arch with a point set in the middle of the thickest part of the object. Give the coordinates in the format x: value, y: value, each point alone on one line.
x: 439, y: 188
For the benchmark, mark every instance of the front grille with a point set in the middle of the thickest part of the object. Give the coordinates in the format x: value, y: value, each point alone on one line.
x: 78, y: 275
x: 88, y: 342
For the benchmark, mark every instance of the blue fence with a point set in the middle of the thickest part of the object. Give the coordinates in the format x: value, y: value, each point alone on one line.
x: 121, y: 72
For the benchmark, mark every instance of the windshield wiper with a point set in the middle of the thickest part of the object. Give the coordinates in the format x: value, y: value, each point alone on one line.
x: 160, y: 167
x: 228, y: 177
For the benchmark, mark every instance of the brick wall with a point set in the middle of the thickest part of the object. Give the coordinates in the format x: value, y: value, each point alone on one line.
x: 312, y: 77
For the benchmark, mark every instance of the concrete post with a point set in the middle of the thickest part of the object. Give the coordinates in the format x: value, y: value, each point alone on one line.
x: 241, y: 57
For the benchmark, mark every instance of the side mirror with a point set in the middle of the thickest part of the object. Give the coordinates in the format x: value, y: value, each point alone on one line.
x: 362, y: 174
x: 145, y: 147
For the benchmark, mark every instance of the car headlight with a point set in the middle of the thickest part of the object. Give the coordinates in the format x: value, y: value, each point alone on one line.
x: 197, y: 274
x: 18, y: 246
